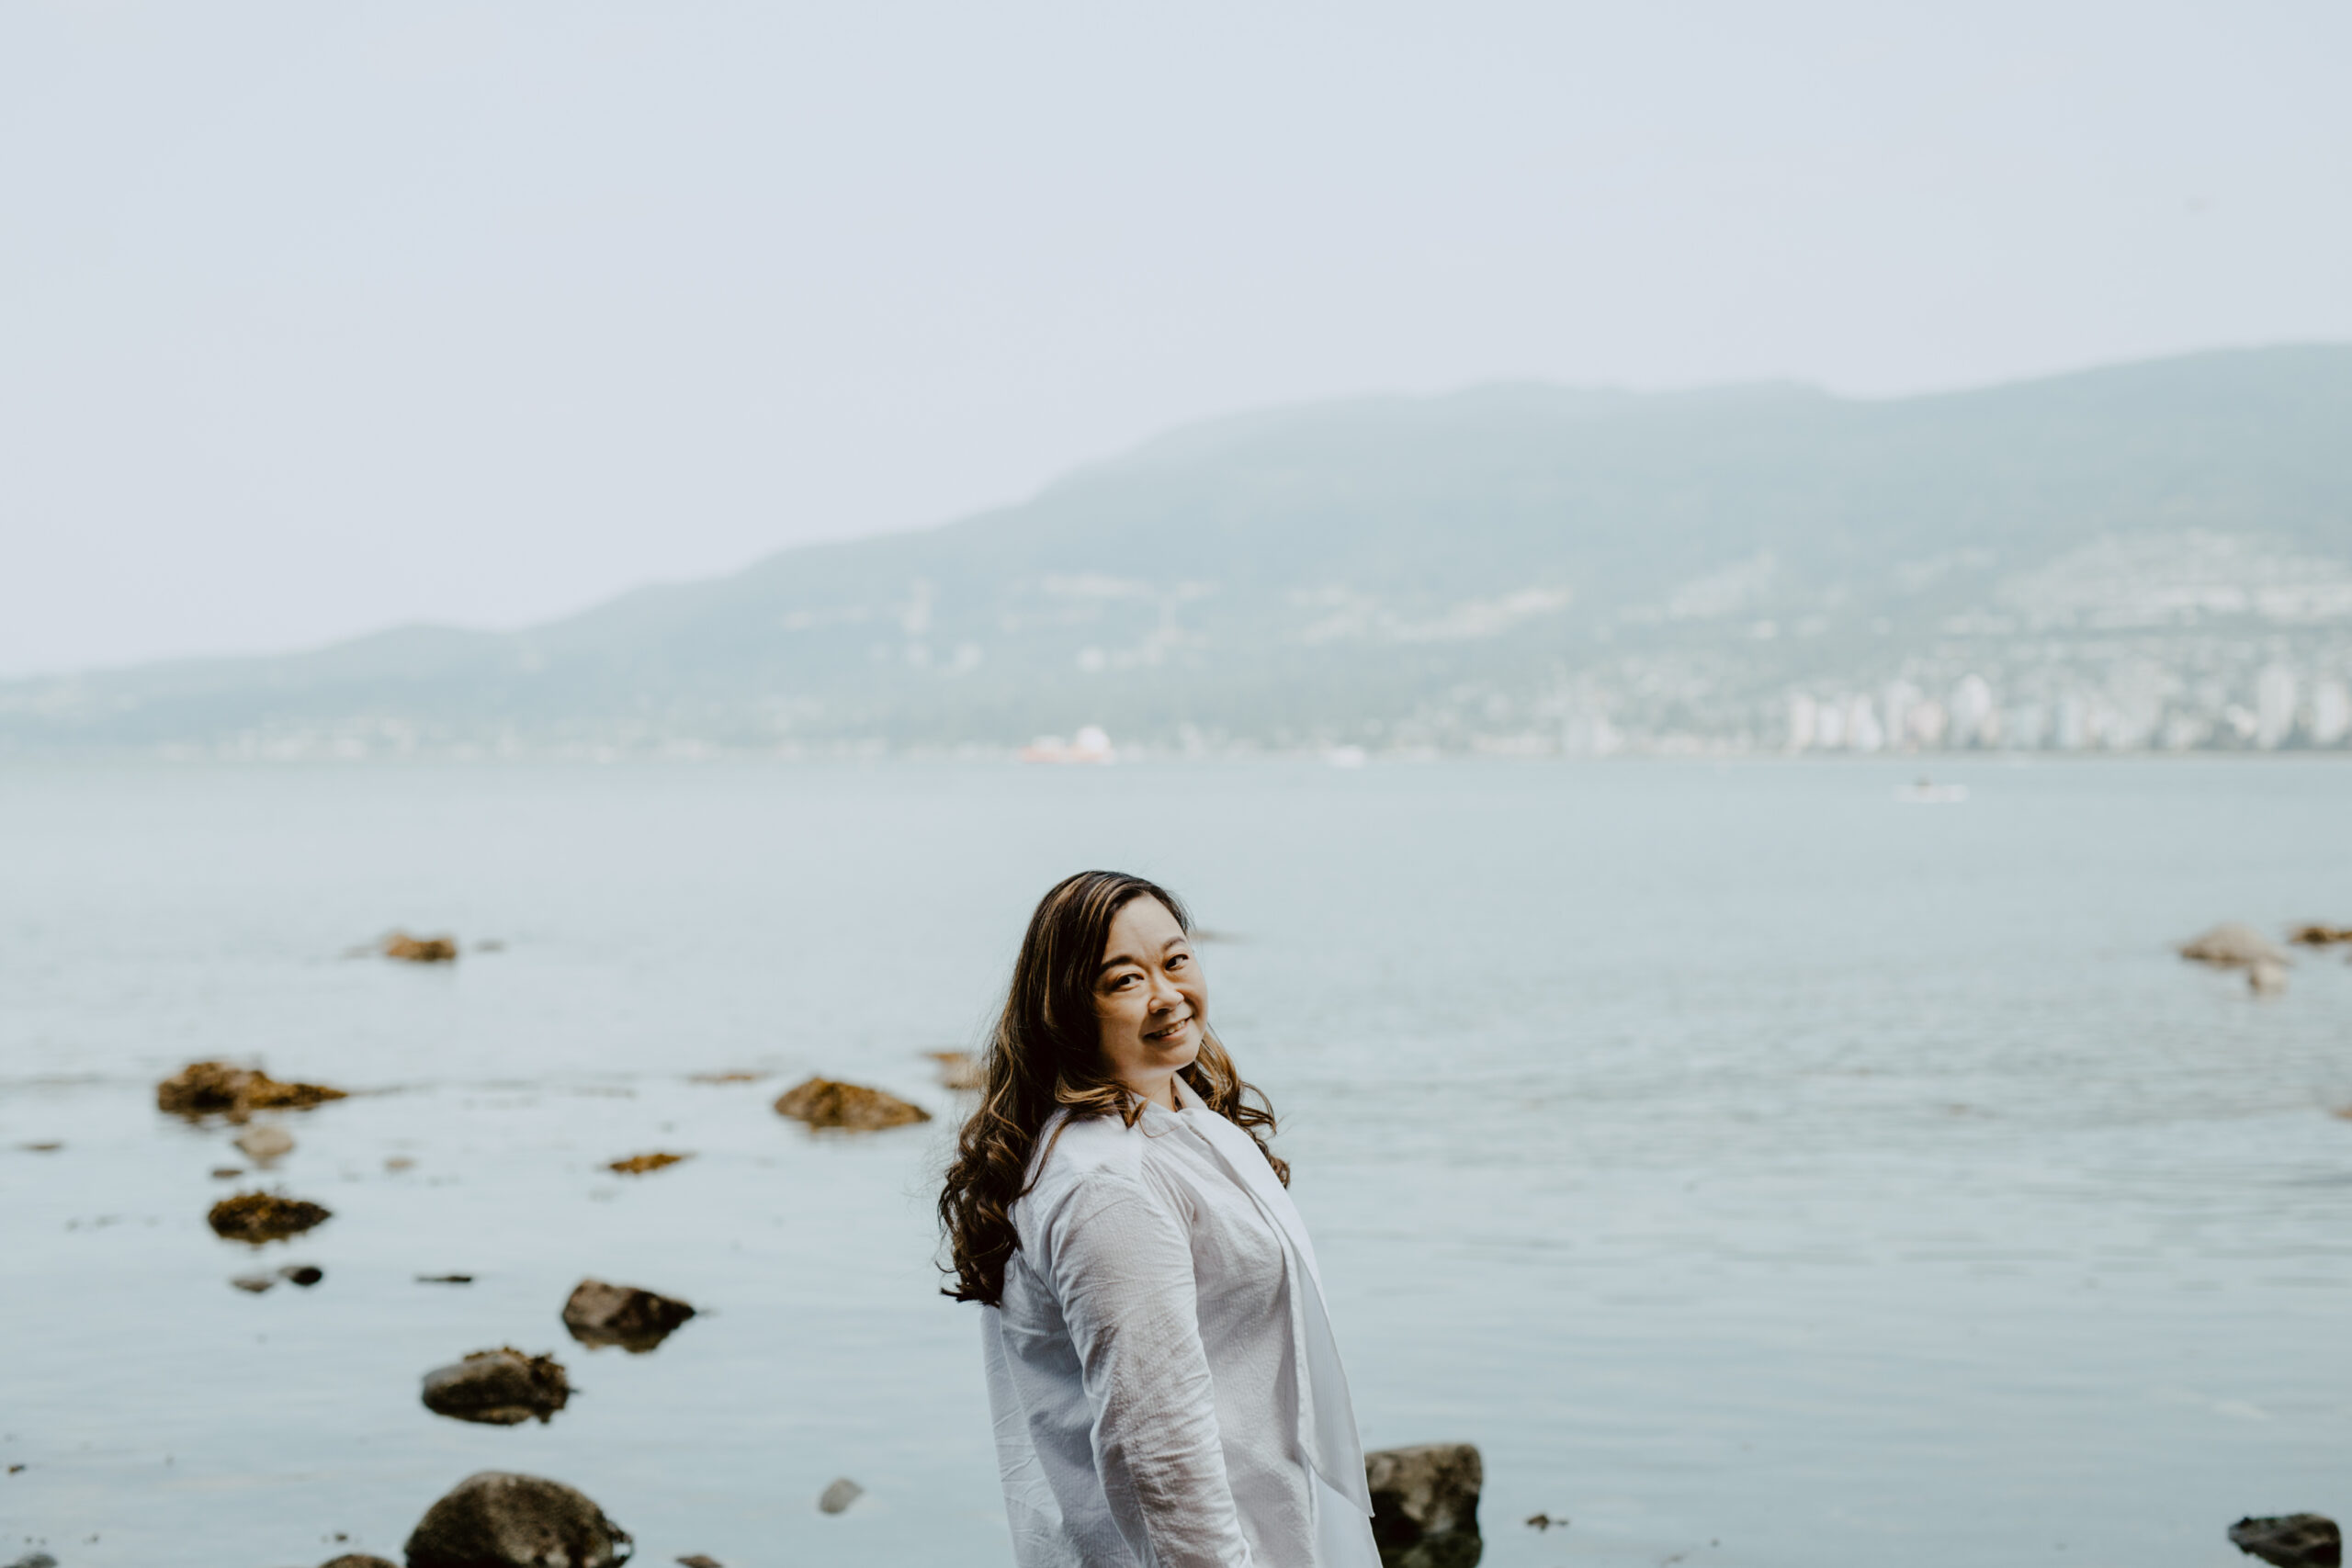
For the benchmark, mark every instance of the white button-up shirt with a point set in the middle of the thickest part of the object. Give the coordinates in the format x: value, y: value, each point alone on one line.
x: 1166, y: 1389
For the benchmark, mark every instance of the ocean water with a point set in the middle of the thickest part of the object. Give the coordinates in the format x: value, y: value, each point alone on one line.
x: 1759, y: 1170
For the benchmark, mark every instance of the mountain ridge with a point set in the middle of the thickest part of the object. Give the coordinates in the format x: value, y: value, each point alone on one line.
x: 1502, y: 564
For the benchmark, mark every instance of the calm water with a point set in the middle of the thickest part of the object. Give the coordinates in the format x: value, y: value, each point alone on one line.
x: 1756, y: 1168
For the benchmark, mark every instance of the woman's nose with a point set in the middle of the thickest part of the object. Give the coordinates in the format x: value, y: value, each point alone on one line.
x: 1164, y: 993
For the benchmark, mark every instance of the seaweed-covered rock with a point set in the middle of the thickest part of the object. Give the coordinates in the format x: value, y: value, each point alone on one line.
x: 501, y: 1387
x: 638, y: 1165
x: 1424, y: 1491
x: 496, y: 1520
x: 2231, y: 946
x: 220, y: 1088
x: 823, y: 1103
x: 2290, y: 1540
x: 421, y: 949
x: 634, y: 1319
x: 264, y: 1217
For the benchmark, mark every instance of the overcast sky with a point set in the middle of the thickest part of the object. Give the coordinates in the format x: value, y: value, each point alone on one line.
x: 316, y: 319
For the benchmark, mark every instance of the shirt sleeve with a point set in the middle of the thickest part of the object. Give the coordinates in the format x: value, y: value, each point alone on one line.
x: 1122, y: 1262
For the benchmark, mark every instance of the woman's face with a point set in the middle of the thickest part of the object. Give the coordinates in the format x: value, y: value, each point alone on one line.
x: 1150, y: 999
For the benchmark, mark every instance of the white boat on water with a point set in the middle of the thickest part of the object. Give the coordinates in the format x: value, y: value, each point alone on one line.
x: 1926, y: 792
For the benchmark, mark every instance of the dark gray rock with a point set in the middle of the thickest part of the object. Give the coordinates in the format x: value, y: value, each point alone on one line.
x: 837, y: 1498
x: 501, y: 1387
x: 1425, y: 1505
x: 35, y: 1559
x: 634, y: 1319
x: 496, y: 1520
x: 2290, y: 1540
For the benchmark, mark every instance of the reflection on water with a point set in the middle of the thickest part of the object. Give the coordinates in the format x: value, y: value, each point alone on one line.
x: 1757, y: 1168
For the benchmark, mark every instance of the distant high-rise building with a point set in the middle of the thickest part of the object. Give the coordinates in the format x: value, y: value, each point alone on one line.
x: 2331, y: 713
x: 1972, y: 723
x: 2070, y: 731
x: 1829, y: 726
x: 1803, y: 718
x: 1862, y: 731
x: 2274, y: 706
x: 1899, y: 699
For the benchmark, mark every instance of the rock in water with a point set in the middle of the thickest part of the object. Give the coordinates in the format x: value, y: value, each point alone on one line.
x: 303, y: 1274
x: 501, y: 1387
x: 839, y: 1495
x: 209, y: 1088
x: 638, y: 1165
x: 2231, y: 946
x: 421, y: 949
x: 634, y: 1319
x: 2290, y: 1540
x: 822, y: 1103
x: 263, y: 1216
x: 262, y: 1144
x: 696, y: 1560
x: 496, y: 1520
x: 2321, y: 934
x: 1421, y: 1492
x: 2265, y: 978
x: 35, y: 1559
x: 958, y: 1069
x: 359, y: 1560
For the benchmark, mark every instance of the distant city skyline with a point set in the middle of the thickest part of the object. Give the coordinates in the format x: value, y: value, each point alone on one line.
x: 317, y: 321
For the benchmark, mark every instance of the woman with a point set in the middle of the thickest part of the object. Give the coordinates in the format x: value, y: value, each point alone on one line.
x: 1163, y: 1375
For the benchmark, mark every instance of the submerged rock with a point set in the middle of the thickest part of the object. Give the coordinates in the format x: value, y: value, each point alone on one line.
x: 696, y: 1560
x: 357, y: 1559
x: 264, y: 1216
x: 262, y: 1144
x: 496, y: 1520
x: 253, y: 1284
x: 1420, y: 1494
x: 502, y: 1388
x: 2231, y: 946
x: 839, y: 1495
x: 823, y: 1103
x: 2320, y: 934
x: 2290, y: 1540
x: 2266, y: 978
x: 633, y: 1318
x: 958, y: 1069
x: 220, y: 1089
x: 421, y: 949
x: 638, y: 1165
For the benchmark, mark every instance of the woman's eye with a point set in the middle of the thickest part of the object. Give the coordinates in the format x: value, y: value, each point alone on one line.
x: 1179, y: 960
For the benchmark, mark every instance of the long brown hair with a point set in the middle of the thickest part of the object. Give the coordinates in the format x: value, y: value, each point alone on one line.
x: 1047, y: 1055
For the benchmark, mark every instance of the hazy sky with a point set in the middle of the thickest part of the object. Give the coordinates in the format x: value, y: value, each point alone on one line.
x: 315, y: 319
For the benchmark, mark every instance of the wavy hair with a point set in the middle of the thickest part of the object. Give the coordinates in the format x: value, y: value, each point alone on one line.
x: 1045, y: 1054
